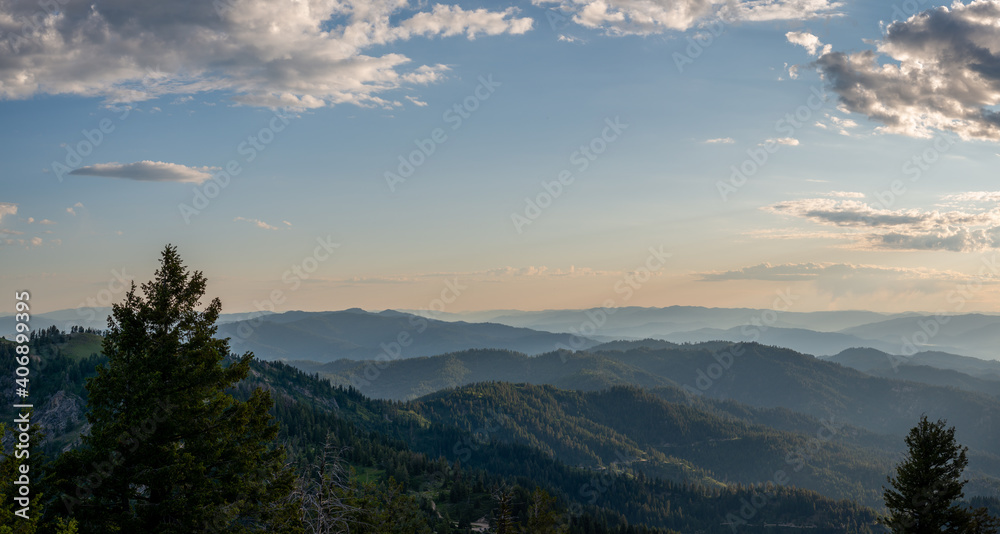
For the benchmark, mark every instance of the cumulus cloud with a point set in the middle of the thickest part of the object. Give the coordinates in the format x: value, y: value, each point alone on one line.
x: 276, y: 53
x: 72, y: 209
x: 148, y: 171
x: 938, y: 70
x: 912, y: 229
x: 808, y: 41
x: 257, y: 222
x: 7, y: 208
x: 647, y: 17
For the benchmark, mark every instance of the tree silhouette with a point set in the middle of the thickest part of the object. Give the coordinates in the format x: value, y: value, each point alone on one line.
x: 927, y: 487
x: 169, y: 450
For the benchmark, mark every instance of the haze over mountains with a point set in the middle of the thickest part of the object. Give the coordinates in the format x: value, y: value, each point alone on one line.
x: 822, y: 333
x: 357, y: 334
x: 715, y: 416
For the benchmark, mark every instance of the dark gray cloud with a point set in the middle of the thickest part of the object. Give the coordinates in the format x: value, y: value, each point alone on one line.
x: 959, y: 231
x: 939, y: 70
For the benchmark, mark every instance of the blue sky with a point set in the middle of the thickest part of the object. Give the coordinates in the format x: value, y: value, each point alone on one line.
x: 333, y: 95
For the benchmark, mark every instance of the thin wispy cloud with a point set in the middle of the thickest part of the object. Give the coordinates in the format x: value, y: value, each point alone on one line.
x: 256, y: 222
x: 720, y: 141
x: 787, y: 141
x: 642, y: 17
x: 846, y: 279
x: 148, y: 171
x: 810, y: 271
x: 493, y: 275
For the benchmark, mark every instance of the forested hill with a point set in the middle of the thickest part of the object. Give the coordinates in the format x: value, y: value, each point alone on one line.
x: 749, y: 373
x: 431, y: 471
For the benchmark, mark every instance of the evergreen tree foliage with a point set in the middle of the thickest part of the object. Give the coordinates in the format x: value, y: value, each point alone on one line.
x: 169, y: 450
x: 927, y: 487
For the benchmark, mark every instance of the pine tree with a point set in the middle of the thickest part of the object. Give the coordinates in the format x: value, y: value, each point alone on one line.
x: 169, y: 450
x: 928, y: 485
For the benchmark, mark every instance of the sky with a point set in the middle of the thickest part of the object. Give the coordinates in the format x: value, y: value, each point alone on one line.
x: 323, y: 155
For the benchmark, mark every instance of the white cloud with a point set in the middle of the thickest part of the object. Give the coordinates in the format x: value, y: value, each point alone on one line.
x: 277, y: 53
x: 974, y: 196
x: 721, y: 140
x: 257, y: 222
x: 148, y: 171
x: 787, y: 141
x: 958, y: 231
x: 72, y: 209
x: 36, y: 241
x: 808, y: 41
x: 7, y: 208
x: 647, y: 17
x: 417, y: 102
x: 845, y: 194
x: 937, y: 70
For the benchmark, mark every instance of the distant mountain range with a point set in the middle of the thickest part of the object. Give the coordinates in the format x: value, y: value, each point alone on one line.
x: 389, y: 335
x: 357, y: 334
x: 819, y: 333
x: 96, y: 318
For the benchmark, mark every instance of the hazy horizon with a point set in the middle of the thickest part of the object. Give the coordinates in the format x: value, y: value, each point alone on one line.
x: 532, y: 155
